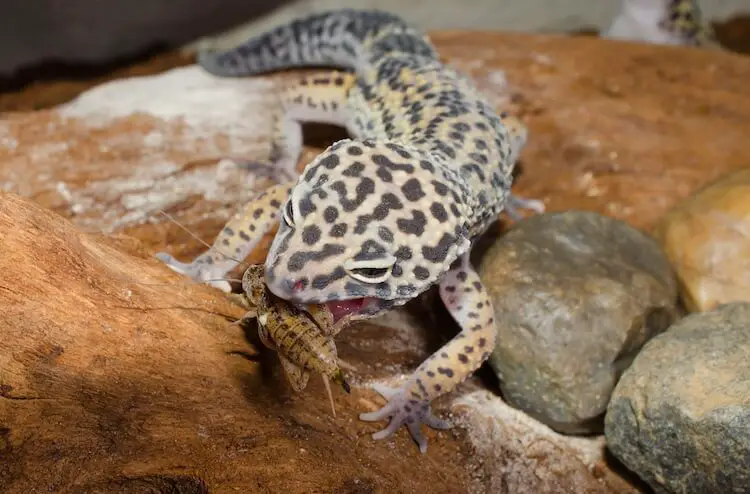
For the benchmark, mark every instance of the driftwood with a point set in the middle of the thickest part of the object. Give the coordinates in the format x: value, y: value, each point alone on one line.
x: 116, y: 376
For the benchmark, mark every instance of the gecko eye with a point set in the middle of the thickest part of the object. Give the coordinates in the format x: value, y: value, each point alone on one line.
x: 288, y: 213
x: 371, y: 275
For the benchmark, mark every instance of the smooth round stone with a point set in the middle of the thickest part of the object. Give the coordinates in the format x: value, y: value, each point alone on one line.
x: 680, y: 415
x: 707, y: 239
x: 576, y: 295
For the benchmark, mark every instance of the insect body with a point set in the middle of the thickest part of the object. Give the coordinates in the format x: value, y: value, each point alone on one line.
x: 303, y: 339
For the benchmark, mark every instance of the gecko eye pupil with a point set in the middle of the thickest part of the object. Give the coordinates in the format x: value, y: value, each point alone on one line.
x: 371, y: 275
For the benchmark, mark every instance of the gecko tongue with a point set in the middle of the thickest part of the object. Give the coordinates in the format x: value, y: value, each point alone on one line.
x: 342, y: 308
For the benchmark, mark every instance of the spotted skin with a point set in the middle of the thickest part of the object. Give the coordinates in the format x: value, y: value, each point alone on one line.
x: 236, y: 240
x: 685, y: 21
x: 377, y: 219
x: 669, y: 22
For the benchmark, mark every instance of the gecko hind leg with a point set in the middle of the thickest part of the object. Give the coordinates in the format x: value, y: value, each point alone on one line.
x: 466, y: 299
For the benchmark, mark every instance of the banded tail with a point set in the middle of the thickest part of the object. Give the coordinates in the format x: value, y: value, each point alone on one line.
x: 346, y: 38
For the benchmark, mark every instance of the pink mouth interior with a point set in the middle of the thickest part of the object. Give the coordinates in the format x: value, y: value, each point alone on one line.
x: 342, y: 308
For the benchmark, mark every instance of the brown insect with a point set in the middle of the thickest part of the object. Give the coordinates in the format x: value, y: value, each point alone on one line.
x: 303, y: 339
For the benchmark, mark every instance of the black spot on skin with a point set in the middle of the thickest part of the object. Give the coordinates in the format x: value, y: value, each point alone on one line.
x: 480, y: 305
x: 445, y: 371
x: 355, y: 290
x: 384, y: 175
x: 320, y: 282
x: 443, y: 355
x: 413, y: 226
x: 482, y: 342
x: 438, y: 388
x: 370, y: 250
x: 412, y: 190
x: 225, y: 241
x: 440, y: 188
x: 455, y: 211
x: 364, y: 188
x: 450, y: 289
x: 228, y: 231
x: 439, y: 253
x: 275, y: 203
x: 403, y: 253
x: 477, y: 285
x: 438, y: 212
x: 354, y: 150
x: 461, y: 126
x: 430, y: 373
x: 385, y: 234
x: 406, y: 290
x: 480, y: 144
x: 306, y: 207
x: 470, y: 168
x: 421, y: 273
x: 461, y: 276
x: 383, y: 290
x: 445, y: 149
x: 398, y: 150
x: 257, y: 213
x: 468, y: 349
x: 472, y: 315
x: 427, y: 166
x: 330, y: 214
x: 311, y: 235
x: 338, y: 230
x: 463, y: 358
x: 397, y: 271
x: 244, y: 236
x: 354, y: 170
x: 298, y: 260
x: 384, y: 161
x: 476, y: 327
x: 330, y: 162
x: 490, y: 320
x: 251, y: 228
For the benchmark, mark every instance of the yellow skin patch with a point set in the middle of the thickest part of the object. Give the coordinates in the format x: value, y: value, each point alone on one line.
x: 377, y: 219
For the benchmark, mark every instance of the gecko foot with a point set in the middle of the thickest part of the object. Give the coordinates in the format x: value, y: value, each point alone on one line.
x: 197, y: 271
x: 514, y: 203
x: 403, y: 410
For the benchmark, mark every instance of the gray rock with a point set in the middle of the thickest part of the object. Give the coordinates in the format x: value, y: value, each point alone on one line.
x: 576, y: 295
x: 680, y: 415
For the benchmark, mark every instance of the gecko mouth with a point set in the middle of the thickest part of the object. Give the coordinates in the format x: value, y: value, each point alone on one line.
x: 356, y: 306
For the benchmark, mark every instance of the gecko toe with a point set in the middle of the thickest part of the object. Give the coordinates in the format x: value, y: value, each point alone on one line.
x: 195, y: 271
x: 416, y: 434
x: 436, y: 422
x: 403, y: 410
x: 386, y: 392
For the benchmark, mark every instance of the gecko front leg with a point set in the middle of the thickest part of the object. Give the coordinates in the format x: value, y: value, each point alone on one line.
x: 236, y: 240
x: 320, y: 98
x: 467, y: 300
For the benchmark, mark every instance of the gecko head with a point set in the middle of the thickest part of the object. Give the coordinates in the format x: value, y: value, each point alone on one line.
x: 671, y: 22
x: 369, y: 226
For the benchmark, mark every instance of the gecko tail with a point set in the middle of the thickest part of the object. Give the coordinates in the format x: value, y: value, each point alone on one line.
x: 345, y: 38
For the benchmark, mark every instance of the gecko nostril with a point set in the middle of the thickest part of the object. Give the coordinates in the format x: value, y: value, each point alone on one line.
x: 299, y: 285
